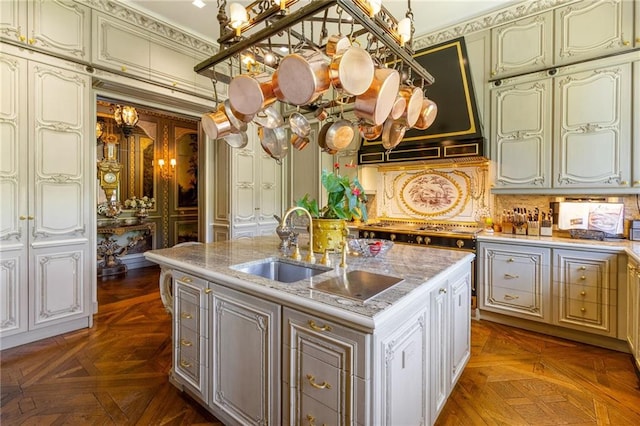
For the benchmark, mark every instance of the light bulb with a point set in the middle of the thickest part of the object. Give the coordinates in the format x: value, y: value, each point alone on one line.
x: 404, y: 30
x: 375, y: 6
x: 161, y: 163
x: 238, y: 16
x: 172, y: 162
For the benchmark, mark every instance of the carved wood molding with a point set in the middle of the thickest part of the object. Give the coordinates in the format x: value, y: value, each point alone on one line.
x: 127, y: 14
x: 487, y: 21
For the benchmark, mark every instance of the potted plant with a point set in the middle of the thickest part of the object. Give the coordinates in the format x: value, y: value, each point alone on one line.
x: 346, y: 201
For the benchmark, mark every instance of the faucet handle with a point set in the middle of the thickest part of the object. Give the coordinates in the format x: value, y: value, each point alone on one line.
x: 326, y: 260
x: 343, y: 260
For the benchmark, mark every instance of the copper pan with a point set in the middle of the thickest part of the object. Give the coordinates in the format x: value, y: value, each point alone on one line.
x: 274, y: 142
x: 392, y: 133
x: 336, y: 44
x: 301, y: 78
x: 339, y: 135
x: 216, y: 124
x: 428, y: 114
x: 322, y: 138
x: 413, y: 96
x: 375, y: 104
x: 236, y: 123
x: 352, y: 71
x: 399, y: 106
x: 370, y: 131
x: 250, y: 93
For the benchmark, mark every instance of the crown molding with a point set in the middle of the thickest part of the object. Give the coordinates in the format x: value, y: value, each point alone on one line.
x: 487, y: 21
x: 125, y: 13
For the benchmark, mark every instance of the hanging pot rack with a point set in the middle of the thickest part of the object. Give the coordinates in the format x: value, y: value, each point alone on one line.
x: 272, y: 19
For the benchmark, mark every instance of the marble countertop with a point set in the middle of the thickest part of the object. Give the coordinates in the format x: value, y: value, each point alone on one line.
x: 631, y: 248
x: 416, y: 265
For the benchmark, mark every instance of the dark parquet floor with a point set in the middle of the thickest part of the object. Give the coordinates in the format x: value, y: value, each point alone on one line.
x: 117, y: 374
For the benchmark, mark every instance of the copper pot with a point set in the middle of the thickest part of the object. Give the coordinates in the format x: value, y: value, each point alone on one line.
x: 352, y: 71
x: 375, y: 104
x: 339, y: 135
x: 236, y: 123
x: 322, y: 138
x: 216, y: 124
x: 392, y: 133
x: 336, y: 43
x: 299, y: 142
x: 413, y: 96
x: 370, y: 131
x: 250, y: 93
x: 428, y: 114
x: 301, y: 78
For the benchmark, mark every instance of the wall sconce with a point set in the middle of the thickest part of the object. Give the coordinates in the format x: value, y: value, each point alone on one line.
x: 167, y: 172
x: 126, y: 118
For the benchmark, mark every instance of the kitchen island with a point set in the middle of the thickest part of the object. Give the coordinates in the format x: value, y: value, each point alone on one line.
x: 255, y: 350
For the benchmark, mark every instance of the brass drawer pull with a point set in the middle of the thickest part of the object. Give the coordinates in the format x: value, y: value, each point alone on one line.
x: 185, y: 364
x: 583, y: 310
x: 510, y: 297
x: 582, y: 268
x: 510, y: 260
x: 186, y: 279
x: 186, y: 315
x: 313, y: 325
x: 510, y: 276
x: 312, y: 382
x: 207, y: 290
x: 442, y: 291
x: 583, y: 278
x: 583, y: 293
x: 312, y: 420
x: 185, y: 342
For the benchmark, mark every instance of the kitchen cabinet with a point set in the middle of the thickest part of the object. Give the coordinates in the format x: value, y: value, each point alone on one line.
x: 191, y: 333
x: 245, y: 357
x: 256, y: 189
x: 579, y: 31
x: 590, y: 131
x: 479, y: 56
x: 325, y: 367
x: 132, y: 50
x: 521, y: 117
x: 60, y: 27
x: 515, y: 280
x: 450, y: 334
x: 591, y: 29
x: 47, y: 177
x: 522, y: 46
x: 635, y: 138
x: 633, y: 309
x: 585, y: 285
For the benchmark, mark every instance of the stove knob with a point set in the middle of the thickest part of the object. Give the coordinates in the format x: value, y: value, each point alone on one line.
x: 366, y: 234
x: 460, y: 243
x: 372, y: 234
x: 392, y: 237
x: 419, y: 239
x: 427, y: 240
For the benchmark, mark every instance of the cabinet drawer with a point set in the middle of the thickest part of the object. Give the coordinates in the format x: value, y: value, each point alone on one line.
x: 321, y: 381
x: 314, y: 413
x: 188, y: 342
x: 189, y: 315
x: 301, y: 329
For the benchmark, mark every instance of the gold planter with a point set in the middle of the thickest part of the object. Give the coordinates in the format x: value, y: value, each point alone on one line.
x: 328, y: 234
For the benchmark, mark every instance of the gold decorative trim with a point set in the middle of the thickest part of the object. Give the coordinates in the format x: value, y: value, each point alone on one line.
x: 165, y: 190
x: 439, y: 189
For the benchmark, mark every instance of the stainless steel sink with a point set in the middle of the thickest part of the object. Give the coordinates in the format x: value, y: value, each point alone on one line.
x: 280, y: 270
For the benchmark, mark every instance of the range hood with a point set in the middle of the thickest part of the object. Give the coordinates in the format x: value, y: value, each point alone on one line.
x: 456, y: 133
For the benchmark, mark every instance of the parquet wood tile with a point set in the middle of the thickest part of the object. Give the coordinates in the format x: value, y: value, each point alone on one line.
x: 117, y: 374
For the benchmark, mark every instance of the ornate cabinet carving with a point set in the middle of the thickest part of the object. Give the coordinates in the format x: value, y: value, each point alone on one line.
x: 62, y: 27
x: 46, y: 168
x: 592, y: 103
x: 515, y: 280
x: 523, y: 45
x: 521, y: 117
x: 593, y: 28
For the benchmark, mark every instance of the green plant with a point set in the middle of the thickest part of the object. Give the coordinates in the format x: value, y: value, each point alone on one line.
x: 345, y: 199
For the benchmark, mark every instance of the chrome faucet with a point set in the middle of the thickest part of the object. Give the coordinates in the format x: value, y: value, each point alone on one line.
x: 310, y: 257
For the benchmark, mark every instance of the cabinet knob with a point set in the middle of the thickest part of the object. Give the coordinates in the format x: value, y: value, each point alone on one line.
x: 493, y: 73
x: 32, y: 41
x: 427, y: 240
x: 419, y: 239
x: 510, y: 260
x: 392, y: 237
x: 583, y: 278
x: 30, y: 217
x: 583, y: 310
x: 186, y: 343
x: 583, y: 293
x: 636, y: 182
x: 184, y: 364
x: 582, y: 268
x: 22, y: 38
x: 626, y: 43
x: 315, y: 327
x: 312, y: 381
x: 23, y: 217
x: 460, y: 243
x: 123, y: 68
x: 372, y: 234
x: 186, y: 315
x: 624, y: 183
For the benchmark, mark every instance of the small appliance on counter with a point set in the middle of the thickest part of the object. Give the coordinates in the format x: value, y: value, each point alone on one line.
x: 594, y: 219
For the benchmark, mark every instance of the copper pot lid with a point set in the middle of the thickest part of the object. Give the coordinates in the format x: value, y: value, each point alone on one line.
x: 414, y: 97
x: 269, y: 117
x: 216, y: 124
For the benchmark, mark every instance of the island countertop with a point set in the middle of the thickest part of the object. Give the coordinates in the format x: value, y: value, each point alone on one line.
x: 417, y: 266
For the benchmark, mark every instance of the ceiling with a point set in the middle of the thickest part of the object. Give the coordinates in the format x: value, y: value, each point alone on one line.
x: 429, y: 15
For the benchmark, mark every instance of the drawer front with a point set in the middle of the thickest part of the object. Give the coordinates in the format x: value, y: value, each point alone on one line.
x: 188, y: 315
x: 322, y: 381
x: 313, y: 413
x: 188, y: 343
x: 300, y: 327
x: 515, y: 280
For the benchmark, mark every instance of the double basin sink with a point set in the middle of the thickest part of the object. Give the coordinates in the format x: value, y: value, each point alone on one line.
x: 360, y: 285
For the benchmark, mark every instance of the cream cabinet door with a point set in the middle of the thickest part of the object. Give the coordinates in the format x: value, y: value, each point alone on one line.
x: 586, y: 285
x: 633, y: 305
x: 60, y: 173
x: 592, y: 29
x: 479, y: 56
x: 515, y: 280
x: 14, y: 208
x: 592, y: 133
x: 521, y: 123
x: 245, y: 357
x: 522, y: 46
x: 439, y: 338
x: 62, y: 27
x: 635, y: 138
x: 460, y: 299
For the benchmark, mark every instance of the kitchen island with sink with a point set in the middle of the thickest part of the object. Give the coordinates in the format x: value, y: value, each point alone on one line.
x: 256, y: 350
